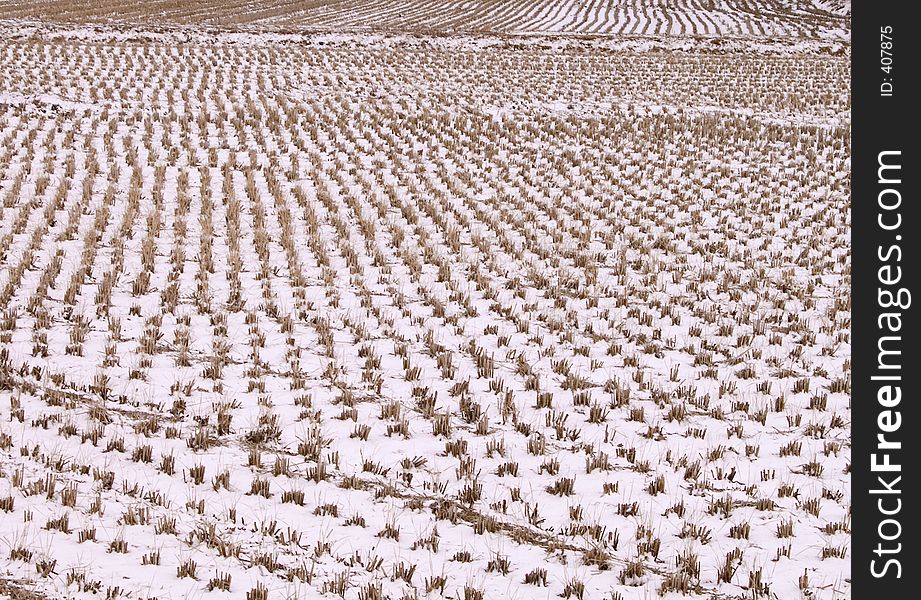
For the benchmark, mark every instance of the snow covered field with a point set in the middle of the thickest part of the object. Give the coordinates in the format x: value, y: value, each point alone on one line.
x: 771, y: 19
x: 392, y: 316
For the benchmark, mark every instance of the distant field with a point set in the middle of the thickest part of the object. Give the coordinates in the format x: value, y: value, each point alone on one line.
x: 771, y: 19
x: 401, y: 318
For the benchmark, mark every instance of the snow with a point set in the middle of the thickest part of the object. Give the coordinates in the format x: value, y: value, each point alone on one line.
x: 450, y: 277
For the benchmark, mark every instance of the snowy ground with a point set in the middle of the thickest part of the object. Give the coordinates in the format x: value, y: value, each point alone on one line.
x: 773, y: 19
x: 395, y: 316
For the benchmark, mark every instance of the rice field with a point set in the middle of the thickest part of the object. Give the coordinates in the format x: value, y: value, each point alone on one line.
x: 809, y: 19
x: 342, y: 315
